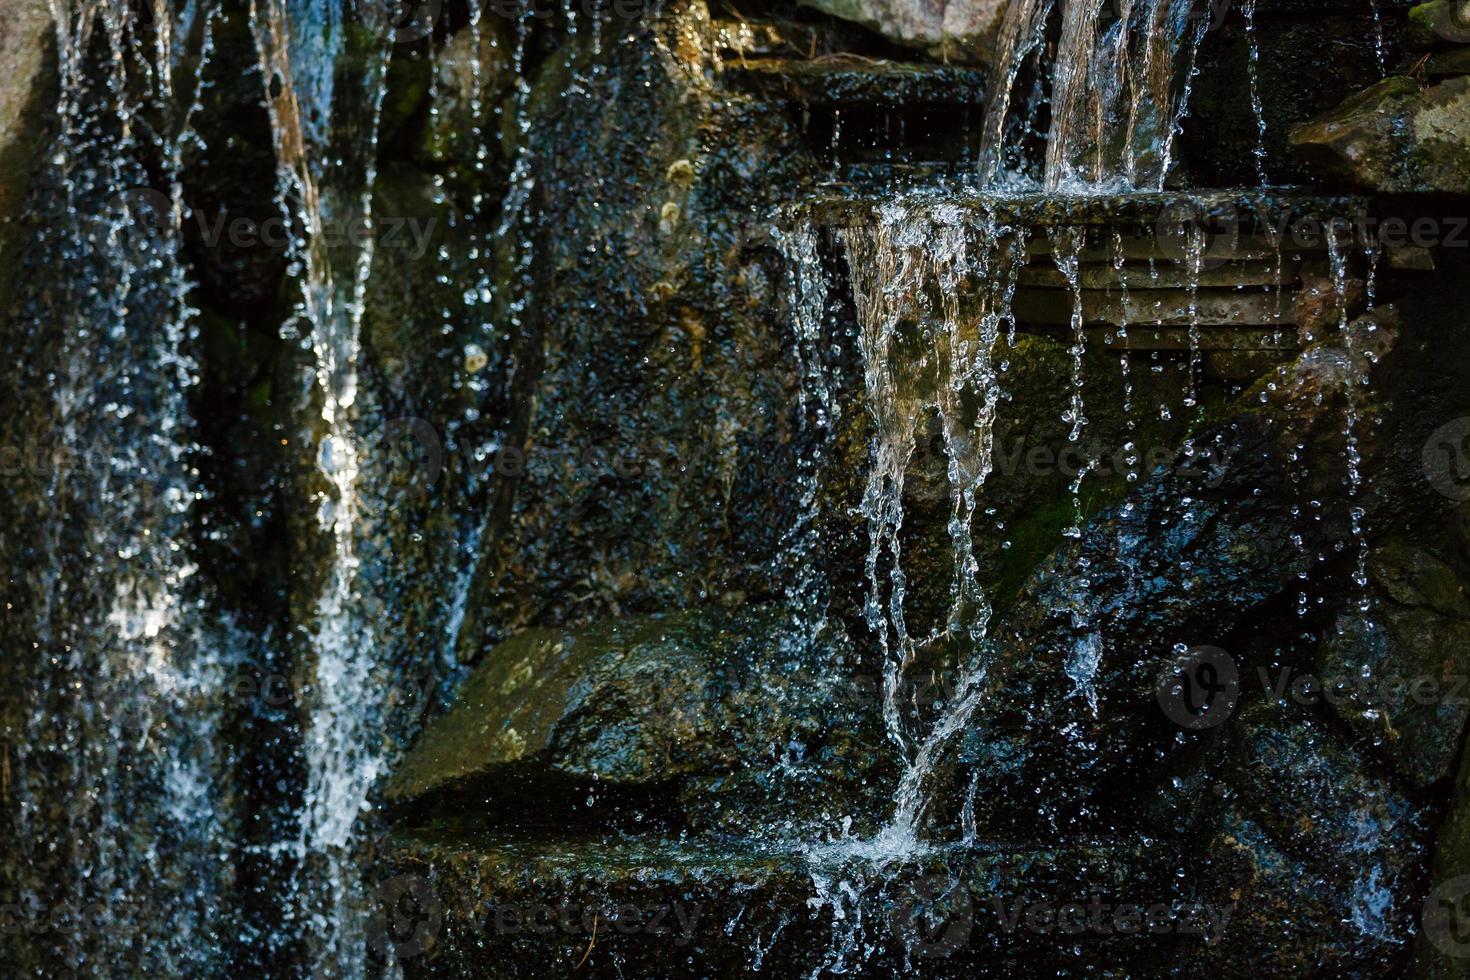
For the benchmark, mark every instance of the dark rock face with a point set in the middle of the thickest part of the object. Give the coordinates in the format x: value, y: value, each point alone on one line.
x: 649, y: 449
x: 719, y: 709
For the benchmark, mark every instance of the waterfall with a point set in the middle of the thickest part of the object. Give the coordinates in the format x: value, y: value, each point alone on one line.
x: 325, y: 82
x: 1116, y: 94
x: 910, y: 266
x: 119, y: 781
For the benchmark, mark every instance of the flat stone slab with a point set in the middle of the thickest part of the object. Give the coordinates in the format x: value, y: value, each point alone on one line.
x: 851, y: 80
x: 495, y: 903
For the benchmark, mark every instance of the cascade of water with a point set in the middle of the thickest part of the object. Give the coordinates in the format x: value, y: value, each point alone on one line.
x: 1116, y: 94
x: 807, y: 301
x: 325, y: 82
x: 920, y: 355
x: 1195, y: 260
x: 1338, y: 258
x: 1021, y: 35
x: 1258, y: 109
x: 1067, y: 246
x: 1380, y: 44
x: 128, y: 681
x: 1080, y: 87
x: 1186, y: 30
x: 923, y: 356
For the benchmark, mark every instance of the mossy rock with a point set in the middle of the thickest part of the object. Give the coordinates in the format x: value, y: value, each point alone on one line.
x: 1395, y: 138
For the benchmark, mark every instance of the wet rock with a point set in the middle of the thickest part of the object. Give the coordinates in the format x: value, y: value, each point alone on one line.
x: 718, y: 702
x: 1322, y: 302
x: 1074, y: 673
x: 1288, y: 919
x: 1073, y: 682
x: 1395, y: 138
x: 1324, y: 802
x: 1400, y: 674
x: 713, y: 910
x: 1438, y: 23
x: 963, y: 30
x: 617, y: 701
x: 27, y: 67
x: 648, y: 400
x: 1443, y: 945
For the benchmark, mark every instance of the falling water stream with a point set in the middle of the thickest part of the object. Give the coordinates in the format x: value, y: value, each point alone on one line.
x: 123, y: 714
x: 325, y: 121
x: 932, y: 287
x: 1116, y: 96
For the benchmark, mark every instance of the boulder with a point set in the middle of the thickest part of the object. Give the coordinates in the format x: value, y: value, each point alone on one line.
x: 1395, y: 137
x: 706, y: 705
x: 1438, y: 23
x: 1400, y: 674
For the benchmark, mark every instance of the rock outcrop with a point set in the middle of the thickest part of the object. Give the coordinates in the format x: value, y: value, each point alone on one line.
x: 960, y: 30
x: 1396, y: 138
